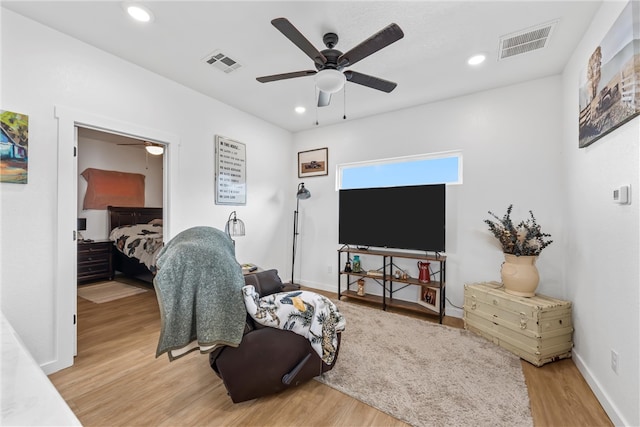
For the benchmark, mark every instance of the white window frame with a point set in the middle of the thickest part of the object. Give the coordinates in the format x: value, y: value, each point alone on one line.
x: 418, y: 157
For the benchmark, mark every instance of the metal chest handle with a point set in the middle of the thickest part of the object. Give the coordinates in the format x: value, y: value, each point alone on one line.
x: 523, y: 320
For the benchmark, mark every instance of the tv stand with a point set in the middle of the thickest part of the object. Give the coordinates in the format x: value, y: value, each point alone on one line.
x: 384, y: 277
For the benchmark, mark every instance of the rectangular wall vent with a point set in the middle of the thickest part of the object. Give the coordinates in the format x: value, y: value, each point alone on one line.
x: 221, y: 61
x: 526, y: 40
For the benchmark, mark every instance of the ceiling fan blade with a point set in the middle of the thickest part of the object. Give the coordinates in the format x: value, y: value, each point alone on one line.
x: 381, y: 39
x: 370, y: 81
x: 292, y: 33
x: 284, y: 76
x: 324, y: 98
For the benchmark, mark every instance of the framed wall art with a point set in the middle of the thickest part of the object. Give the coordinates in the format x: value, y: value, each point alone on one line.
x: 429, y: 297
x: 313, y: 162
x: 14, y: 147
x: 231, y: 172
x: 609, y: 93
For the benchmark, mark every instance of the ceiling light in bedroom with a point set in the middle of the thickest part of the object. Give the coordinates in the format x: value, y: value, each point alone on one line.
x: 137, y: 12
x: 300, y: 109
x: 330, y: 81
x: 156, y: 150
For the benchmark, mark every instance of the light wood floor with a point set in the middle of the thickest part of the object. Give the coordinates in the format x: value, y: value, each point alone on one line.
x: 117, y: 381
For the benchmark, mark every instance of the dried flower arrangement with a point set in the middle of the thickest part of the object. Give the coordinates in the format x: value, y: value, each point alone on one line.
x: 524, y: 239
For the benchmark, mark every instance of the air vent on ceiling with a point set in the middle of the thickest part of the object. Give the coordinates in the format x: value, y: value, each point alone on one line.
x: 526, y: 40
x: 221, y: 61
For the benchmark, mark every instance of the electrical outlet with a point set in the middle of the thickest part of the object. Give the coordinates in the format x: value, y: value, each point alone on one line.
x: 614, y: 361
x: 330, y: 269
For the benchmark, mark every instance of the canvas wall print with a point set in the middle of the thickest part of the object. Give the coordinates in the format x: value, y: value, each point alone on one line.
x: 14, y: 147
x: 609, y: 94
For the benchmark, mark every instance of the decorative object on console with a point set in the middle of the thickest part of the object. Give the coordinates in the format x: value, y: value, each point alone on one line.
x: 360, y: 287
x: 302, y: 194
x: 521, y: 245
x: 430, y: 297
x: 313, y: 162
x: 357, y: 268
x: 234, y: 226
x: 424, y: 273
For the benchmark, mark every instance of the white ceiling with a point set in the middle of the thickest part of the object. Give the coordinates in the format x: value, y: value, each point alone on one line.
x: 428, y: 64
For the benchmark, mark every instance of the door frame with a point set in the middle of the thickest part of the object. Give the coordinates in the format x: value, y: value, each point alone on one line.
x: 65, y: 274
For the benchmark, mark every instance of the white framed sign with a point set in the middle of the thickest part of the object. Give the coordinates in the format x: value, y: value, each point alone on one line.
x: 231, y: 172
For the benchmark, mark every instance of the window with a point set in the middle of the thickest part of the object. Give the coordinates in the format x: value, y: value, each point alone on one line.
x: 436, y: 168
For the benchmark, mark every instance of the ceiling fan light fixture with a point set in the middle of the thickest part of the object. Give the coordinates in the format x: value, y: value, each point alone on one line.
x: 155, y: 150
x: 330, y: 81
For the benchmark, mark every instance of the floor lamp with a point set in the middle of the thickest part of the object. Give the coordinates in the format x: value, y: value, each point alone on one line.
x: 234, y: 227
x: 302, y: 194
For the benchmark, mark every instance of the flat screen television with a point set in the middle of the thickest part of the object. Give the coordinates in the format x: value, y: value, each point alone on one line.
x: 408, y: 217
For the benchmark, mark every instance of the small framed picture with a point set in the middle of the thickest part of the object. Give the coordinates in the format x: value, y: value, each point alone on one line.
x: 313, y: 162
x: 430, y: 298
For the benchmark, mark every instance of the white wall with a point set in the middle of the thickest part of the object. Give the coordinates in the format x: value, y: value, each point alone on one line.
x: 601, y: 242
x: 99, y: 154
x: 510, y: 141
x: 42, y: 69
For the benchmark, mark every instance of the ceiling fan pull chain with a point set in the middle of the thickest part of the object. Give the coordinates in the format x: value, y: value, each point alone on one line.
x: 315, y: 95
x: 344, y: 106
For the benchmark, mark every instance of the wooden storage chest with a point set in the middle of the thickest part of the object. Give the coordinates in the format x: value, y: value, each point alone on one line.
x: 537, y: 329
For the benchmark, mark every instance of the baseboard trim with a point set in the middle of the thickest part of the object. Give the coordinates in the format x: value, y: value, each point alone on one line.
x: 609, y: 407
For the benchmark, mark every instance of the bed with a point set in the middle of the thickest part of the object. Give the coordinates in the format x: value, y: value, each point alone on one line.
x: 137, y: 236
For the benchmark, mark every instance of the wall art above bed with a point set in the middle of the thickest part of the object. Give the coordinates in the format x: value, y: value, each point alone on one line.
x: 112, y: 188
x: 231, y: 172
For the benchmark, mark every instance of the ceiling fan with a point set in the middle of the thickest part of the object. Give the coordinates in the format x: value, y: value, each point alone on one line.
x: 330, y: 62
x: 155, y: 149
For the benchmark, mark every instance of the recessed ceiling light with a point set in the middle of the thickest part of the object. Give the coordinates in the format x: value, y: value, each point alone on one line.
x: 476, y: 59
x: 137, y: 12
x: 300, y: 109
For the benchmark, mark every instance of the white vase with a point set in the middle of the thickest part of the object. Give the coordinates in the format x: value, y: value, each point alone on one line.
x: 520, y: 275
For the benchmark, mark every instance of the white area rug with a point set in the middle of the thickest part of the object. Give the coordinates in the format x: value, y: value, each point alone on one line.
x: 427, y: 374
x: 108, y: 291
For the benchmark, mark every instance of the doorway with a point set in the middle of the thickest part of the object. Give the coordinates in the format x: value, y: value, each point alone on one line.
x: 65, y: 277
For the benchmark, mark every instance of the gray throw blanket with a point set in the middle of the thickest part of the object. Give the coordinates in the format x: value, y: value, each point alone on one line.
x: 199, y: 289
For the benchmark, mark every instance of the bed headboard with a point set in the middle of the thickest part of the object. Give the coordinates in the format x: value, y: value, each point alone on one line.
x: 119, y: 216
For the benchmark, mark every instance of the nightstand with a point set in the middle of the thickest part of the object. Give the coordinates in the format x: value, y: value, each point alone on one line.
x: 94, y: 261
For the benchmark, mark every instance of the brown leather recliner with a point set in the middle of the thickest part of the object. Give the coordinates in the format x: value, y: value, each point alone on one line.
x: 268, y: 360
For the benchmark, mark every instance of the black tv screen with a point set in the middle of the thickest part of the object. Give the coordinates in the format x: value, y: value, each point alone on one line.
x: 410, y: 217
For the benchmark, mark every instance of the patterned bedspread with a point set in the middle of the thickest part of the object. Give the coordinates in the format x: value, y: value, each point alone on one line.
x: 141, y: 241
x: 309, y: 314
